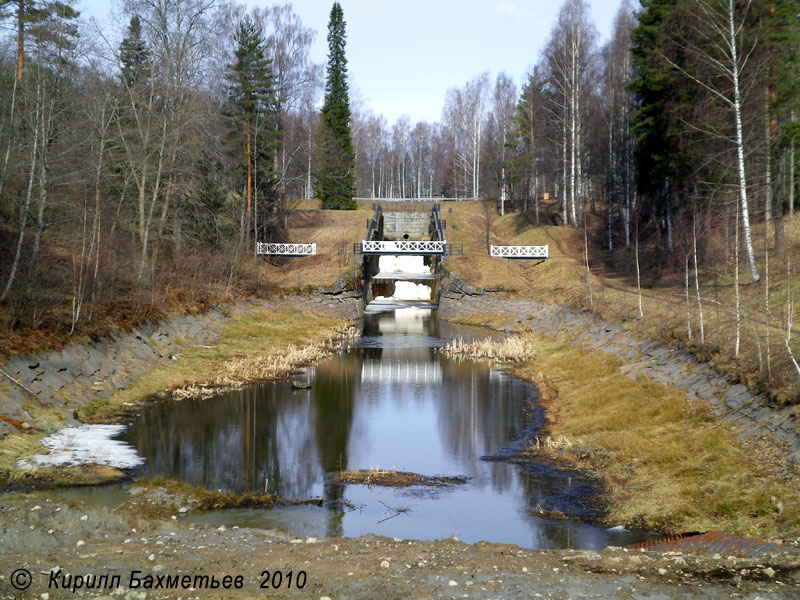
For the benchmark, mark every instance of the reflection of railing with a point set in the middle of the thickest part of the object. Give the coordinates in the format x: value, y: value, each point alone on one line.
x: 287, y: 249
x: 404, y: 247
x: 519, y: 251
x: 397, y: 371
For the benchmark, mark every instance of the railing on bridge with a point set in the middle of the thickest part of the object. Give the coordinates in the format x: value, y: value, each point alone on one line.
x: 427, y: 247
x: 372, y: 224
x: 439, y: 223
x: 540, y: 252
x: 270, y: 249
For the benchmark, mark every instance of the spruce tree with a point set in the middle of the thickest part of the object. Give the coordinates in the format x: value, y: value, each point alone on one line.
x: 251, y: 106
x: 336, y: 168
x: 133, y: 54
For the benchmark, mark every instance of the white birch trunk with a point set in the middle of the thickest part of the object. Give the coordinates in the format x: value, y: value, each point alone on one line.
x: 697, y: 283
x: 737, y: 108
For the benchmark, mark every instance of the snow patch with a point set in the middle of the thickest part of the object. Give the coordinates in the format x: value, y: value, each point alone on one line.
x: 87, y: 444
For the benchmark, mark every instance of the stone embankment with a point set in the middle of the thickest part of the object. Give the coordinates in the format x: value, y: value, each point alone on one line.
x: 65, y: 380
x: 753, y: 415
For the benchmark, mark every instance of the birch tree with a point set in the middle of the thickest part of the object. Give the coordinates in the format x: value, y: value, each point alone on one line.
x: 570, y: 53
x: 721, y: 47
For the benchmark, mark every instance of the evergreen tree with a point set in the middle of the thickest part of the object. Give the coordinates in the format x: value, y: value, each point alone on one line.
x: 336, y: 175
x: 133, y: 54
x: 252, y: 106
x: 657, y: 86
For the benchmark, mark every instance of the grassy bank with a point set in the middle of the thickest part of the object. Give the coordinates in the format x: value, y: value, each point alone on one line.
x: 608, y: 287
x: 259, y: 345
x: 665, y: 462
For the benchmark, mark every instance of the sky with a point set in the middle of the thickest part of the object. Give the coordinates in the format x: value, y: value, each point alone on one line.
x: 403, y: 55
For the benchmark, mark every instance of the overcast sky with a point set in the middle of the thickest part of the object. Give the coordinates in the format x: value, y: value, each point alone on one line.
x: 403, y: 55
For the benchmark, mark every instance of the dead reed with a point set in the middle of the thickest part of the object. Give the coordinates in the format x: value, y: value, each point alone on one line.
x: 510, y: 349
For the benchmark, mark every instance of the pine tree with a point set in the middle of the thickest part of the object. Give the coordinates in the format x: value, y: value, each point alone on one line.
x: 251, y: 101
x: 336, y: 175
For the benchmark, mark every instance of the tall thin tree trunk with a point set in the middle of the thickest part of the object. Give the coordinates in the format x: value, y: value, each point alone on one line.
x: 563, y: 192
x: 636, y: 253
x: 21, y: 60
x: 11, y: 132
x: 766, y: 304
x: 686, y: 295
x: 736, y: 291
x: 737, y: 109
x: 43, y: 173
x: 697, y: 280
x: 627, y: 149
x: 792, y: 162
x: 610, y: 185
x: 26, y: 209
x: 572, y: 134
x: 768, y: 200
x: 156, y: 190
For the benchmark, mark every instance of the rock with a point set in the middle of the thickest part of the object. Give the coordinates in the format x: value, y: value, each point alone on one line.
x: 385, y: 564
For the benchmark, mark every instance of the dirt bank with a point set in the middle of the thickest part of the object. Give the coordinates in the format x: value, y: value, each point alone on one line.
x: 52, y: 537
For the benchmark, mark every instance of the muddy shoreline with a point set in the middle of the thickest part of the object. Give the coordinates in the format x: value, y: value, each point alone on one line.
x: 46, y: 538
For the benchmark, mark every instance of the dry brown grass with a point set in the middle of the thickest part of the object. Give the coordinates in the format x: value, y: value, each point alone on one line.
x: 260, y: 345
x: 334, y: 232
x: 562, y: 280
x: 392, y: 478
x: 668, y: 465
x: 510, y: 349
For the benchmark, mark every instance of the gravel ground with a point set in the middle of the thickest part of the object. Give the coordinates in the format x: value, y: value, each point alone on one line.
x: 71, y: 540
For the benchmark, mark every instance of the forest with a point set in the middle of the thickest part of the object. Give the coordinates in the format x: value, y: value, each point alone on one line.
x: 138, y: 175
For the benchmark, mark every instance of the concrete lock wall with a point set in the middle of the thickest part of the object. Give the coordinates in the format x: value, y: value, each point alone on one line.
x: 406, y: 225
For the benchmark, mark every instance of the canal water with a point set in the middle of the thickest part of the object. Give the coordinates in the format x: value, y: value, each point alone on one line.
x: 390, y: 402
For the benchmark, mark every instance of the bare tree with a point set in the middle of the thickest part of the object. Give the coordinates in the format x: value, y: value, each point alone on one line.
x: 719, y: 28
x: 571, y: 51
x: 502, y: 115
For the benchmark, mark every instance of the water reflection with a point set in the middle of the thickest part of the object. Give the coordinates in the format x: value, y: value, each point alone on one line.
x: 390, y: 402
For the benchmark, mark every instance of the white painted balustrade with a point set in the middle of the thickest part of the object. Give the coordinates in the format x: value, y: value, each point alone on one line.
x: 403, y: 247
x: 286, y: 249
x: 540, y: 252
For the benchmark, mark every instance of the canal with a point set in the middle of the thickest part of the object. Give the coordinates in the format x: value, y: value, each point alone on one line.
x: 390, y: 402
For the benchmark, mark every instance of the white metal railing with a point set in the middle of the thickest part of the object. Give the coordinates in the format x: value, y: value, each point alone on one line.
x: 403, y: 247
x: 286, y: 249
x: 519, y: 251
